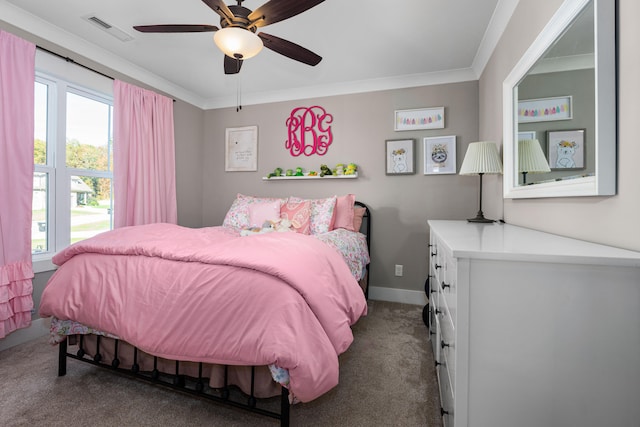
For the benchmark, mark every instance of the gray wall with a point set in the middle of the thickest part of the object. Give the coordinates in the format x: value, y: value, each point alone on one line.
x: 609, y: 220
x: 400, y: 205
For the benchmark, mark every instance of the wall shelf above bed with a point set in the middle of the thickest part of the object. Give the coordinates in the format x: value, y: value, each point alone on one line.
x: 281, y: 178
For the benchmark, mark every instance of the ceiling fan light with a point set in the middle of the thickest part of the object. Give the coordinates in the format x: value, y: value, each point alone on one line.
x: 238, y: 42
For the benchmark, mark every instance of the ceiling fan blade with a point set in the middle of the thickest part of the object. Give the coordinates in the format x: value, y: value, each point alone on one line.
x: 279, y: 10
x: 219, y: 7
x: 232, y: 65
x: 289, y: 49
x: 177, y: 28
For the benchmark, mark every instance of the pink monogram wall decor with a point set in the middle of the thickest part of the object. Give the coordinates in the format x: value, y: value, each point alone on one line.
x: 309, y: 131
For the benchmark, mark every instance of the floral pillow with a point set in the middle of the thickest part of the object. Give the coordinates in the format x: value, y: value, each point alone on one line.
x: 238, y: 214
x: 299, y: 214
x: 322, y: 213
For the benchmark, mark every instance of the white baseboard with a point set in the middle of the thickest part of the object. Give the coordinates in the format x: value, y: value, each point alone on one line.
x: 38, y: 328
x: 397, y: 295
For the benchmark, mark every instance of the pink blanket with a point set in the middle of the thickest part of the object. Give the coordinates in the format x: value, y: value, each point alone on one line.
x: 208, y: 295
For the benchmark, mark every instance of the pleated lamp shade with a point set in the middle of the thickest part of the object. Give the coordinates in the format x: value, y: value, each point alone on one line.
x: 481, y: 157
x: 531, y: 158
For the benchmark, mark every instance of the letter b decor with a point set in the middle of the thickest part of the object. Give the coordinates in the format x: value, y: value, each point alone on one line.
x: 309, y: 131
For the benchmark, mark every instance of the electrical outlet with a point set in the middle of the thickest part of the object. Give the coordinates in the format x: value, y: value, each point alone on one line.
x: 399, y: 269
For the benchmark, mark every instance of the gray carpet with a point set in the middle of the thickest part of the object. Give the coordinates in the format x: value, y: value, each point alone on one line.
x: 387, y: 378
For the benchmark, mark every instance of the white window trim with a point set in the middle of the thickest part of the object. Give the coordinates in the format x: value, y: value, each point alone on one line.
x: 63, y: 76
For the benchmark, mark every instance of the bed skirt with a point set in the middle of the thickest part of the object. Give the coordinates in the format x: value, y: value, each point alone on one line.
x: 238, y: 386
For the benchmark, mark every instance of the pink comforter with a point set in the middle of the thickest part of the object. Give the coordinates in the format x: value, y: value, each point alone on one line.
x: 208, y: 295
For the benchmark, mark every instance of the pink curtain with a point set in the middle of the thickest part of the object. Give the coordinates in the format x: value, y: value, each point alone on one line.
x: 17, y: 77
x: 144, y: 166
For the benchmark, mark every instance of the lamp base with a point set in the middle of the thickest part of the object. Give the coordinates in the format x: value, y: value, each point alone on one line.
x: 480, y: 218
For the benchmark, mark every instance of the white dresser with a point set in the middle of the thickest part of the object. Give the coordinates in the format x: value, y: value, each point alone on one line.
x: 533, y: 329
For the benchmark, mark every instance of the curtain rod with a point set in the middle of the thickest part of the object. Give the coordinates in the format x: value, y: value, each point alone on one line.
x: 66, y: 58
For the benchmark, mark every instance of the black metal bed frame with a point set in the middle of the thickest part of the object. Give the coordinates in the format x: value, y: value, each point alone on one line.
x: 176, y: 381
x: 189, y: 385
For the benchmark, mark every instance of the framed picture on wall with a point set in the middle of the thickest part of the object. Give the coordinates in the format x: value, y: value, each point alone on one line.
x: 439, y: 155
x: 419, y: 118
x: 400, y: 156
x: 566, y: 150
x: 241, y: 149
x: 545, y: 109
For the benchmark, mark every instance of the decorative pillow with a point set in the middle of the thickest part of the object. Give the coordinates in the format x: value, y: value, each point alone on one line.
x: 238, y: 214
x: 322, y: 213
x: 299, y: 214
x: 358, y: 214
x: 261, y: 212
x: 344, y: 212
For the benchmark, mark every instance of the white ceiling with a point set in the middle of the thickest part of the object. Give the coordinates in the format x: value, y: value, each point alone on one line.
x: 365, y: 44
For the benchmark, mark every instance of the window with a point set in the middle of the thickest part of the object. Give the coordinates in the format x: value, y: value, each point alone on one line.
x: 73, y: 168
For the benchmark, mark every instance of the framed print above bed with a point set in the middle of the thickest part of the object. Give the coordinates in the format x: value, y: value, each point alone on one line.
x: 241, y: 149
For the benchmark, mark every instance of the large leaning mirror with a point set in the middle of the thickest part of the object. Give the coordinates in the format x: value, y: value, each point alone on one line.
x: 559, y: 106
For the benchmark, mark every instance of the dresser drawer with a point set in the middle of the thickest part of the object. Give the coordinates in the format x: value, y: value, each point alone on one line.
x: 447, y: 399
x: 447, y: 349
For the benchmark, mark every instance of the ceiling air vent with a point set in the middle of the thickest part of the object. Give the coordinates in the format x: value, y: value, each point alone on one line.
x: 105, y: 26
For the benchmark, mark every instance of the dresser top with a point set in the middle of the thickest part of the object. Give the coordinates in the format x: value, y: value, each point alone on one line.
x: 497, y: 241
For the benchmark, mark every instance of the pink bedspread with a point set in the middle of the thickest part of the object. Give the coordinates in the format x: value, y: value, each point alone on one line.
x: 208, y: 295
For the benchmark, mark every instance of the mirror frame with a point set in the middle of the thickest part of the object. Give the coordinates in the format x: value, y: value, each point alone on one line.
x: 603, y: 183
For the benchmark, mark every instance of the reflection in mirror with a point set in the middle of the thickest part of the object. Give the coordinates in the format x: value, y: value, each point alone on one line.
x: 562, y: 95
x: 558, y: 93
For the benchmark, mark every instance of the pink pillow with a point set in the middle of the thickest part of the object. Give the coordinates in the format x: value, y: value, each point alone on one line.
x: 261, y: 212
x: 238, y: 214
x: 358, y: 214
x: 344, y: 212
x: 299, y: 213
x: 322, y: 213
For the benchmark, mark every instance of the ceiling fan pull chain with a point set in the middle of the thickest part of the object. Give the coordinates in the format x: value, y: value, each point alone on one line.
x: 238, y: 95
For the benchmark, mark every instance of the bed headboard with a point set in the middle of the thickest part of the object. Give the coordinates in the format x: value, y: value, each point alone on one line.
x: 365, y: 228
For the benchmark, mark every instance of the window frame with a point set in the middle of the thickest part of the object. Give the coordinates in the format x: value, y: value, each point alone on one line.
x: 80, y: 82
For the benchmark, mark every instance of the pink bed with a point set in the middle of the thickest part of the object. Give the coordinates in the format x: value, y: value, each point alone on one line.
x: 210, y: 296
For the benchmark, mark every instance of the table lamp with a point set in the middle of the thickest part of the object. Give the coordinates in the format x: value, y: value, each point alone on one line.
x: 481, y: 157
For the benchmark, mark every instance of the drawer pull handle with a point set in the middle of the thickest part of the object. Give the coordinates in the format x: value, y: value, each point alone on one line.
x: 438, y: 363
x: 443, y: 412
x: 438, y: 311
x: 445, y: 286
x: 438, y: 266
x: 434, y: 253
x: 432, y: 290
x: 443, y: 344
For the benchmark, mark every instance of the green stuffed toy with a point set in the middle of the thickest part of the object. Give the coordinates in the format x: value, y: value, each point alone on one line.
x: 324, y: 170
x: 298, y: 172
x: 351, y: 169
x: 276, y: 172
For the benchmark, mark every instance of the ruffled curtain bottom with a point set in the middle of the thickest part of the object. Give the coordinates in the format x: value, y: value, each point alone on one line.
x: 16, y: 300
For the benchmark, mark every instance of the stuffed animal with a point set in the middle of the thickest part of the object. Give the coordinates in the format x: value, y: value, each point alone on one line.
x: 339, y: 170
x: 280, y: 225
x: 298, y: 172
x: 351, y: 169
x: 283, y: 225
x: 276, y: 172
x: 324, y: 170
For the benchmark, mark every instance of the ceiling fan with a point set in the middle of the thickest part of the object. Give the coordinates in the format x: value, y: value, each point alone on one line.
x: 237, y: 36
